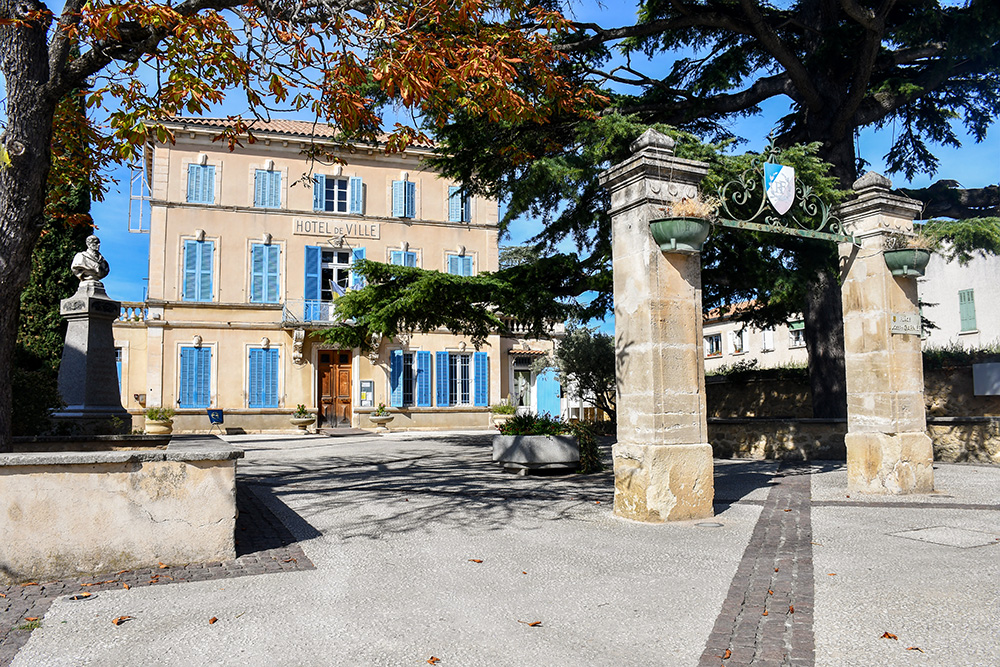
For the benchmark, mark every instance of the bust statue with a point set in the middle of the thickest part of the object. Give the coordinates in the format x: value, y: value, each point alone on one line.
x: 90, y: 264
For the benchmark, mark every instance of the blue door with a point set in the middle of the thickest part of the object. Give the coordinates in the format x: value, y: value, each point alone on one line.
x: 547, y: 392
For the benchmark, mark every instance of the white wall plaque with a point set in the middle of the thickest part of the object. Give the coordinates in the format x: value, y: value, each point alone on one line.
x: 906, y: 324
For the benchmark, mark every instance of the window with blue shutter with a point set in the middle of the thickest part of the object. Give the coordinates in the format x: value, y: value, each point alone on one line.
x: 267, y: 189
x: 265, y: 260
x: 404, y: 199
x: 313, y: 287
x: 357, y: 281
x: 460, y: 265
x: 195, y: 377
x: 400, y: 258
x: 442, y: 378
x: 197, y: 270
x: 459, y: 205
x: 201, y: 184
x: 396, y: 378
x: 423, y: 379
x: 482, y: 375
x: 967, y: 309
x: 357, y: 196
x: 263, y: 378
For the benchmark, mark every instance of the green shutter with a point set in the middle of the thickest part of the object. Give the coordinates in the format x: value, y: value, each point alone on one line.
x: 967, y: 309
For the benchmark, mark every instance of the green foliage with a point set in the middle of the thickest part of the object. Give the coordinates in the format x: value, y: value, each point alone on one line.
x: 380, y: 411
x: 964, y: 239
x: 586, y: 357
x: 532, y: 424
x: 301, y: 412
x: 742, y: 371
x: 159, y: 414
x: 954, y: 355
x: 503, y: 408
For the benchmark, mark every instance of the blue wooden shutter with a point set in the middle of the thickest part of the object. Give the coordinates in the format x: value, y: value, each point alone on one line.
x: 357, y: 282
x: 396, y: 257
x: 467, y: 265
x: 547, y: 390
x: 257, y: 278
x: 396, y: 379
x: 466, y: 208
x: 271, y: 378
x: 187, y: 376
x: 190, y: 290
x: 274, y: 189
x: 194, y: 183
x: 203, y: 391
x: 205, y: 271
x: 454, y: 203
x: 399, y: 199
x: 409, y: 259
x: 967, y: 309
x: 319, y: 192
x: 482, y: 387
x: 442, y: 379
x: 256, y: 372
x: 357, y: 201
x: 411, y: 199
x: 271, y: 267
x: 260, y: 187
x: 312, y: 293
x: 454, y: 267
x: 423, y: 359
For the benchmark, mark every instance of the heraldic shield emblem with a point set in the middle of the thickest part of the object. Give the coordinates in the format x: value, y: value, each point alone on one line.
x: 779, y: 184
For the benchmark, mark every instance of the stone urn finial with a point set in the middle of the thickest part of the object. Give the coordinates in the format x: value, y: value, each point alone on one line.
x: 89, y: 264
x: 872, y: 179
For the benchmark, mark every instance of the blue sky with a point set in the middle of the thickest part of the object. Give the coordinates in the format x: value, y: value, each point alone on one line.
x: 972, y: 165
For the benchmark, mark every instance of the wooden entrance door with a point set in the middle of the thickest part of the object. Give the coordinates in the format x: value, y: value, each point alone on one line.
x: 334, y: 389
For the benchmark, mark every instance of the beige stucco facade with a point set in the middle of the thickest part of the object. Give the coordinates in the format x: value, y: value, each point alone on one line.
x: 226, y: 312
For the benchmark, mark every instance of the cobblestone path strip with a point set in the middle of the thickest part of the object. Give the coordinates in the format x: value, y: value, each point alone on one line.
x: 767, y: 617
x: 263, y: 546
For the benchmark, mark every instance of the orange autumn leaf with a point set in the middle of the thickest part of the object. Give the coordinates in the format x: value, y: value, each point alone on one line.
x: 791, y: 609
x: 126, y: 586
x: 121, y: 619
x: 775, y: 569
x: 433, y: 661
x: 3, y: 595
x: 120, y: 572
x: 727, y: 654
x: 787, y: 510
x: 522, y: 572
x: 914, y: 648
x: 831, y: 574
x: 31, y: 618
x: 770, y: 592
x: 163, y: 567
x: 212, y: 620
x: 475, y: 560
x: 290, y: 560
x: 30, y: 583
x: 765, y: 613
x: 888, y: 635
x: 531, y: 624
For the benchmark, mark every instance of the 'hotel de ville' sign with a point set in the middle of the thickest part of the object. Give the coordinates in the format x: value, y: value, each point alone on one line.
x: 351, y: 230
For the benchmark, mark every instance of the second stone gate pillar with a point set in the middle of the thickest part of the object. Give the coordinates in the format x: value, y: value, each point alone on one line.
x: 662, y: 459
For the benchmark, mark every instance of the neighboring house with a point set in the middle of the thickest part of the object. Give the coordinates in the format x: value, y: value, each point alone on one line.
x: 963, y: 302
x: 248, y: 251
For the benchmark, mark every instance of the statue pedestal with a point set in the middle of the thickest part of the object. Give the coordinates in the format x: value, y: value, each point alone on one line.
x: 88, y: 376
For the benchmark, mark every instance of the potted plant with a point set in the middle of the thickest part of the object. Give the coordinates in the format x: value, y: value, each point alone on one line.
x: 381, y: 416
x: 302, y: 418
x: 685, y: 225
x: 540, y: 442
x: 501, y: 412
x: 159, y: 421
x: 907, y: 254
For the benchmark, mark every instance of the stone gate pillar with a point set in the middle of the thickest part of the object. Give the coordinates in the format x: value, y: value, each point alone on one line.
x: 888, y: 449
x: 663, y: 462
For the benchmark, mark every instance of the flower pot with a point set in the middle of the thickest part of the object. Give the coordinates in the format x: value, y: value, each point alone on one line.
x: 302, y: 423
x: 907, y: 262
x: 682, y: 235
x: 380, y: 422
x: 159, y: 426
x: 521, y: 453
x: 499, y: 420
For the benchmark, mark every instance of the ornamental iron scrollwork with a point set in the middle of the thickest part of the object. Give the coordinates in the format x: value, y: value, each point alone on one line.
x: 808, y: 217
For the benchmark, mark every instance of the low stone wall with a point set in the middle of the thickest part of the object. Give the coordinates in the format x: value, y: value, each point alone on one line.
x: 955, y: 439
x: 65, y: 514
x: 948, y: 392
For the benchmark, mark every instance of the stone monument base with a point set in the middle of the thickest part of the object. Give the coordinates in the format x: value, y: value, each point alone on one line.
x: 889, y: 463
x: 657, y: 483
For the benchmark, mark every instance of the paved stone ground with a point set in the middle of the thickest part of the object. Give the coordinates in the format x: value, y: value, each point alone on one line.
x: 264, y: 545
x: 767, y: 618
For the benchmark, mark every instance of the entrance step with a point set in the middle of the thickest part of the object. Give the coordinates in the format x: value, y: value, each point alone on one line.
x: 341, y: 431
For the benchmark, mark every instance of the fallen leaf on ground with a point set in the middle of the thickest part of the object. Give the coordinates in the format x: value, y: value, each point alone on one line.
x: 597, y: 502
x: 770, y: 592
x: 848, y: 495
x: 524, y: 572
x: 831, y: 574
x: 787, y: 510
x: 81, y: 596
x: 98, y: 583
x: 791, y: 609
x: 3, y: 595
x: 31, y: 618
x: 121, y: 619
x: 30, y: 583
x: 212, y: 620
x: 475, y: 560
x: 119, y: 572
x: 531, y: 624
x: 290, y: 560
x: 725, y: 656
x: 914, y: 648
x: 888, y: 635
x: 765, y: 613
x: 433, y: 661
x: 775, y: 569
x: 819, y: 544
x: 126, y: 586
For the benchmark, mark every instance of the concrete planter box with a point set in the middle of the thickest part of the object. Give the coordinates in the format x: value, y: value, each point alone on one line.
x: 522, y: 453
x: 72, y: 513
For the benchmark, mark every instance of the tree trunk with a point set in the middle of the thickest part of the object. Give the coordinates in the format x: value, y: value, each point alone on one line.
x: 27, y: 139
x: 824, y: 336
